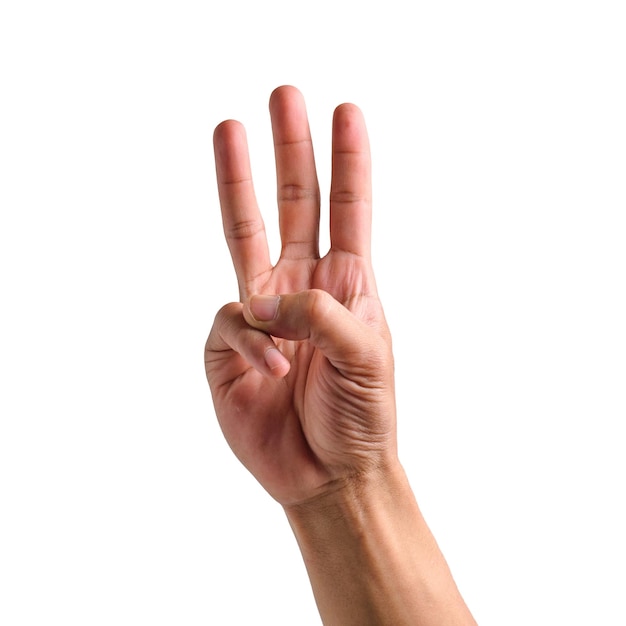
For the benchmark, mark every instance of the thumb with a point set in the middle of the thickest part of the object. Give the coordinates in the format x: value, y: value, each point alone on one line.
x: 315, y: 316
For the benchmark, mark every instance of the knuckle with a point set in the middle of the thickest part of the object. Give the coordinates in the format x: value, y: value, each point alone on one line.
x: 226, y: 314
x: 228, y: 310
x: 346, y: 196
x: 319, y: 303
x: 296, y: 193
x: 245, y: 229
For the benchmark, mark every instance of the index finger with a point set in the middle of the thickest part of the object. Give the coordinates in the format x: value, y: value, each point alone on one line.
x: 243, y: 225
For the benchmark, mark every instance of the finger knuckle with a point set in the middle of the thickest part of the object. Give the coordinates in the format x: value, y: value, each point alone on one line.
x: 319, y: 303
x: 295, y: 193
x: 346, y: 196
x: 226, y: 313
x: 245, y: 229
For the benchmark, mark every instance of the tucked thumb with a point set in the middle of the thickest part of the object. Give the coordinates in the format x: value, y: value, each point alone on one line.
x: 315, y: 316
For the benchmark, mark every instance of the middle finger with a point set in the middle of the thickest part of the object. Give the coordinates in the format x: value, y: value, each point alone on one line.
x: 298, y: 188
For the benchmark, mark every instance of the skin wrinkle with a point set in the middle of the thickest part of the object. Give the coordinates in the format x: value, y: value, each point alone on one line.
x: 292, y: 192
x: 235, y: 181
x: 224, y: 353
x: 295, y: 191
x: 348, y: 197
x: 232, y: 380
x: 215, y: 362
x: 290, y: 256
x: 336, y: 248
x: 352, y: 152
x: 253, y: 279
x: 297, y: 242
x: 294, y: 142
x: 245, y: 229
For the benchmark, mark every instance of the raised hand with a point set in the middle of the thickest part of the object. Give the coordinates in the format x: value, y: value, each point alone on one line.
x: 301, y: 369
x: 301, y: 373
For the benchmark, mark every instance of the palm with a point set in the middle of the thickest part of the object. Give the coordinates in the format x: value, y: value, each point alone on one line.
x: 293, y: 422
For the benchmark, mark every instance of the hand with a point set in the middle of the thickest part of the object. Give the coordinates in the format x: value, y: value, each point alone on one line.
x: 301, y: 369
x: 301, y: 373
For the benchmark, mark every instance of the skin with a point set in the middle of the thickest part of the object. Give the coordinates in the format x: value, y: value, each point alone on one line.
x: 301, y: 374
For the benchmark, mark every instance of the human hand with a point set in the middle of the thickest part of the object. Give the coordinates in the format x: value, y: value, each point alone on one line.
x: 301, y: 369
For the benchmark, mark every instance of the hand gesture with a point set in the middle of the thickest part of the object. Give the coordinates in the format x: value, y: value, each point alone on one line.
x: 301, y: 369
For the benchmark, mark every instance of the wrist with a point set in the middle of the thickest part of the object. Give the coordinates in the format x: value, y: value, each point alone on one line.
x: 370, y: 556
x: 352, y: 496
x: 342, y: 534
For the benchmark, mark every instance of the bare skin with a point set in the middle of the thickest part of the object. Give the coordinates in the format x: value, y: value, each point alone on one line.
x: 301, y: 373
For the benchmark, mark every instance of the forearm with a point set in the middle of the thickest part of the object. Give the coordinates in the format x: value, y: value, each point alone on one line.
x: 371, y: 558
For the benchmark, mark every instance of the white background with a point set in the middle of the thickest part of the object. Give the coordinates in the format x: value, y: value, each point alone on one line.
x: 498, y: 135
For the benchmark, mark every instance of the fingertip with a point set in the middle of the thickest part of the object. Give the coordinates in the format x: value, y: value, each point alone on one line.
x: 348, y: 113
x: 348, y: 108
x: 284, y: 92
x: 349, y: 129
x: 226, y: 130
x: 277, y: 363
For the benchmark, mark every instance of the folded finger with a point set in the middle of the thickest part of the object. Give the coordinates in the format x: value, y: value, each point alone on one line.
x: 349, y: 343
x: 234, y: 346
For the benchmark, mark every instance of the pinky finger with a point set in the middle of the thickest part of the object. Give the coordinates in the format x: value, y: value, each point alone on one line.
x: 234, y: 346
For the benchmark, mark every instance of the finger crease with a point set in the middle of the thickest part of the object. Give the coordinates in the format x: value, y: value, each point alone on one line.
x: 235, y: 181
x: 347, y: 197
x: 293, y: 193
x: 293, y: 143
x: 245, y: 229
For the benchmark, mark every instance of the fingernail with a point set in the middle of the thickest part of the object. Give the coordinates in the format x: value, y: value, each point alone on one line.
x: 274, y: 359
x: 264, y: 308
